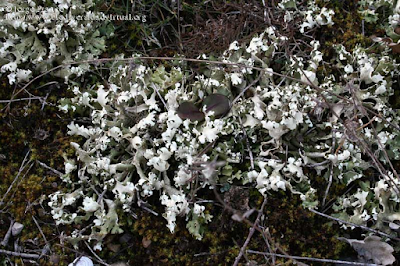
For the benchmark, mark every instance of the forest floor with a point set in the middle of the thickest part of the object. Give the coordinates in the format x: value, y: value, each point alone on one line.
x: 34, y: 139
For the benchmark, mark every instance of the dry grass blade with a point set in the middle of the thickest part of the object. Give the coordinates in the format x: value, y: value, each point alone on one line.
x: 21, y: 169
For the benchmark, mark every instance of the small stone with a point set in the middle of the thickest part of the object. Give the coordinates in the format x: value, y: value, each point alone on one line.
x: 16, y: 228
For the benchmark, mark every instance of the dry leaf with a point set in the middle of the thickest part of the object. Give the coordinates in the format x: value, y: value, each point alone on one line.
x: 372, y: 249
x: 389, y: 42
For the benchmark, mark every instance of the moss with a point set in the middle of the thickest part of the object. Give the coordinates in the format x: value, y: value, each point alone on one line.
x: 19, y: 135
x: 286, y: 219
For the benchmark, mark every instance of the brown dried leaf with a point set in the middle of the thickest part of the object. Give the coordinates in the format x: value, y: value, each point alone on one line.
x: 395, y: 48
x: 187, y: 110
x: 372, y: 249
x: 218, y: 103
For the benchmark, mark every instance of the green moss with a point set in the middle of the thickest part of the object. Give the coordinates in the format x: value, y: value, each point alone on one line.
x: 18, y: 136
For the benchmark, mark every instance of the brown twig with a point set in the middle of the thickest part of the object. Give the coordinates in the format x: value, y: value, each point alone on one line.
x: 80, y: 253
x: 157, y: 90
x: 252, y: 230
x: 245, y: 220
x: 8, y: 234
x: 97, y: 257
x: 22, y: 167
x: 19, y: 254
x: 47, y: 246
x: 22, y: 99
x: 50, y: 168
x: 355, y: 225
x: 248, y: 87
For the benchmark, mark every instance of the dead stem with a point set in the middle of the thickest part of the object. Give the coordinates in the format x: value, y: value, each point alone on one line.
x: 245, y: 220
x: 310, y: 259
x: 8, y: 234
x: 97, y: 257
x: 19, y: 254
x: 252, y: 230
x: 22, y: 167
x: 355, y: 225
x: 47, y: 246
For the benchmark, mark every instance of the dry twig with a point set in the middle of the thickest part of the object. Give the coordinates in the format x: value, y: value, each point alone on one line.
x: 252, y: 230
x: 97, y: 257
x: 22, y: 167
x: 310, y: 259
x: 19, y: 254
x: 8, y: 235
x: 355, y: 225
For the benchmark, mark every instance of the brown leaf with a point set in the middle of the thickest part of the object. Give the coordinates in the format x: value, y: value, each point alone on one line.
x: 218, y: 103
x: 372, y: 249
x: 395, y: 48
x: 187, y: 110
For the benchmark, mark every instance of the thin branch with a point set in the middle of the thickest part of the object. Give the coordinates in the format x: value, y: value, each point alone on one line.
x: 97, y: 257
x: 310, y: 259
x: 267, y: 242
x: 355, y: 225
x: 22, y: 167
x: 8, y: 234
x: 79, y: 253
x: 40, y: 230
x: 209, y: 253
x: 19, y: 182
x: 19, y: 254
x: 21, y: 99
x: 157, y: 90
x: 50, y: 168
x: 248, y: 87
x: 244, y: 219
x: 252, y: 230
x: 381, y: 117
